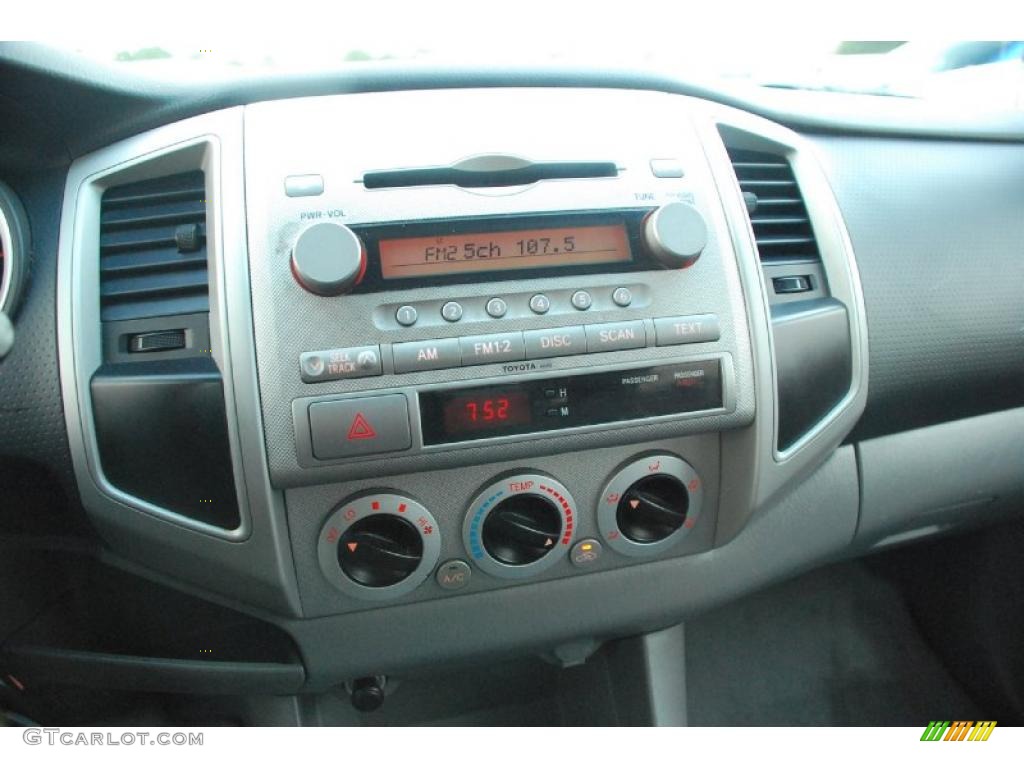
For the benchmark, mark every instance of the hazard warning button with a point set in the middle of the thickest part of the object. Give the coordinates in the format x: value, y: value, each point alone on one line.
x: 359, y: 426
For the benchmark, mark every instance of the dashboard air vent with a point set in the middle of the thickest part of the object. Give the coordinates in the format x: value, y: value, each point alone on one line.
x: 153, y: 248
x: 776, y: 208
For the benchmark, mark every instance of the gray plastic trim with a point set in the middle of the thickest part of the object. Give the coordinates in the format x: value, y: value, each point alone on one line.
x: 253, y: 561
x: 919, y: 480
x: 755, y: 452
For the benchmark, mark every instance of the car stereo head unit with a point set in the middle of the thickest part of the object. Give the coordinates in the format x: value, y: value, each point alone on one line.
x: 331, y: 259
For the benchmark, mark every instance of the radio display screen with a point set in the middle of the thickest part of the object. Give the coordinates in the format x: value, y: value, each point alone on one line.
x: 448, y: 254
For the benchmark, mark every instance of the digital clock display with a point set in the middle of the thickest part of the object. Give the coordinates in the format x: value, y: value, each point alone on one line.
x: 491, y: 251
x: 486, y: 411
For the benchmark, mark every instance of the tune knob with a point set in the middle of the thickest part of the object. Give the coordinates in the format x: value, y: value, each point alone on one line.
x: 378, y: 546
x: 328, y: 259
x: 519, y: 525
x: 676, y: 234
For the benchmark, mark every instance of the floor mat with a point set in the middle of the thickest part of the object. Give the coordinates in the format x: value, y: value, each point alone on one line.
x: 836, y: 646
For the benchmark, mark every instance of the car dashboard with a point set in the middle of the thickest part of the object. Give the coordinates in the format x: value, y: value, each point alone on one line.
x: 410, y: 372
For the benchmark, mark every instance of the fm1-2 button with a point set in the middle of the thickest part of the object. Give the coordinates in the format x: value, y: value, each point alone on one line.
x: 359, y: 426
x: 493, y: 348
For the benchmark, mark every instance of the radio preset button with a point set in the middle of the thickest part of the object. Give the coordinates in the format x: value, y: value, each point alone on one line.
x: 610, y: 337
x: 492, y: 348
x: 406, y: 315
x: 452, y: 311
x: 496, y: 307
x: 334, y: 364
x: 359, y: 426
x: 429, y: 355
x: 555, y: 342
x: 622, y: 296
x: 686, y: 330
x: 540, y: 303
x: 581, y: 300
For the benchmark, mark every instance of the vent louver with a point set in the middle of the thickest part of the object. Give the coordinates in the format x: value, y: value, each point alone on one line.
x: 153, y: 248
x: 776, y: 208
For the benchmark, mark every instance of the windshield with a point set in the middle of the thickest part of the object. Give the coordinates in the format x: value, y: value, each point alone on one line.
x: 992, y: 71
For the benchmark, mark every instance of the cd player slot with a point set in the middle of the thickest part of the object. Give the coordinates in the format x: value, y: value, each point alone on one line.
x: 487, y: 174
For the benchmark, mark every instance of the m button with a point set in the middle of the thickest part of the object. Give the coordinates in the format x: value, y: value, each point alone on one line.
x: 359, y: 426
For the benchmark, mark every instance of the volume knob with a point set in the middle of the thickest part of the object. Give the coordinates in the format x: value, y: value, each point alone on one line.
x: 328, y: 259
x: 676, y: 234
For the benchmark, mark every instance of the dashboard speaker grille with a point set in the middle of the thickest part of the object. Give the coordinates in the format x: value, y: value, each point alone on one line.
x: 776, y: 208
x: 153, y: 248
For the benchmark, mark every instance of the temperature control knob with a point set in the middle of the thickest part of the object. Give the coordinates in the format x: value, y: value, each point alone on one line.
x: 328, y: 259
x: 519, y: 525
x: 676, y: 234
x: 650, y: 504
x: 378, y: 546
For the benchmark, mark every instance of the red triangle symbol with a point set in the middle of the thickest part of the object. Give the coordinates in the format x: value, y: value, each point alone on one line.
x: 352, y: 546
x: 634, y: 503
x: 360, y: 429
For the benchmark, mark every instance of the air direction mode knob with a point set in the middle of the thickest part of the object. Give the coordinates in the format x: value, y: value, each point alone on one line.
x: 676, y: 234
x: 328, y: 259
x: 649, y: 504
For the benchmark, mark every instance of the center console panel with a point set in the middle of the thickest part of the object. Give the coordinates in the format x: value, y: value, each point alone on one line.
x: 466, y: 356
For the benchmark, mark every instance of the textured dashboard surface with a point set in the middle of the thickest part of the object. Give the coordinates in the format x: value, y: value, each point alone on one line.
x: 31, y: 411
x: 939, y: 238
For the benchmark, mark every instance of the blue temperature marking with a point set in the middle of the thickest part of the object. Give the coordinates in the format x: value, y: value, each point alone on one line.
x: 475, y: 544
